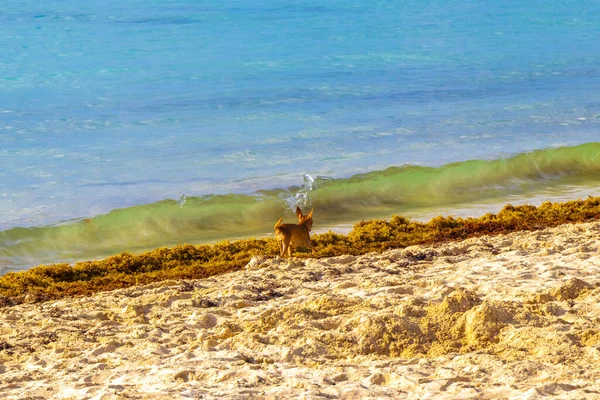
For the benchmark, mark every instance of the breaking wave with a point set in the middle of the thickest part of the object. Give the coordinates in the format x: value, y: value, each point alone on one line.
x: 404, y: 190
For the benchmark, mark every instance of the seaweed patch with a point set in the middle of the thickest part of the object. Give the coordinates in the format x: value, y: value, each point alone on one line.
x: 186, y: 261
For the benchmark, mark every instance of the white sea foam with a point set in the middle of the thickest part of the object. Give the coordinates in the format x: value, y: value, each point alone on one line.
x: 303, y: 197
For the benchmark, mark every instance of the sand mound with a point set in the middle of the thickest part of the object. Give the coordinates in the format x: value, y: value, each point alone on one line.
x: 511, y: 316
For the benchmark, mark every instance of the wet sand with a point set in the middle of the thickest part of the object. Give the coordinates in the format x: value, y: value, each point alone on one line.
x: 513, y: 316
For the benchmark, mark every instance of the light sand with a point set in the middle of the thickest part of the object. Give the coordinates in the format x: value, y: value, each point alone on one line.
x: 513, y: 316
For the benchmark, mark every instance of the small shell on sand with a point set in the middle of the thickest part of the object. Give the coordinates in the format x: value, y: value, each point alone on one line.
x: 494, y: 317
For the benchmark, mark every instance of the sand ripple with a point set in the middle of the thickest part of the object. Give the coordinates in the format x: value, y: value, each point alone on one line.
x: 513, y: 316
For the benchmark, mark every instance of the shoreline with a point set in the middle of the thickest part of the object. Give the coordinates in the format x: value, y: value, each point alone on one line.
x: 185, y: 261
x: 461, y: 189
x: 501, y: 316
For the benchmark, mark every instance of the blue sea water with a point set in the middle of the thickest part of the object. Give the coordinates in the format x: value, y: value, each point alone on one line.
x: 169, y: 121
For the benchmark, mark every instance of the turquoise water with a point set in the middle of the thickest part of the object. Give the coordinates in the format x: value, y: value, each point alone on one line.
x: 133, y: 124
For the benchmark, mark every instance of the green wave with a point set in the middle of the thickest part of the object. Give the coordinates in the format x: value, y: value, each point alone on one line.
x: 396, y: 190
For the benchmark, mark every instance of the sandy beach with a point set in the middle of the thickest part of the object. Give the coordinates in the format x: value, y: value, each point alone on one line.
x: 513, y: 316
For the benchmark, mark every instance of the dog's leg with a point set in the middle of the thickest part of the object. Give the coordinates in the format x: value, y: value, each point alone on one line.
x: 286, y: 245
x: 307, y: 242
x: 309, y: 245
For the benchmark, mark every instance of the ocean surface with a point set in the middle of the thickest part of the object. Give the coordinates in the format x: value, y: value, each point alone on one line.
x: 128, y: 125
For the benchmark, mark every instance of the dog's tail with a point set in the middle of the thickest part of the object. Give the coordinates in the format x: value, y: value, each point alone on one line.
x: 278, y: 223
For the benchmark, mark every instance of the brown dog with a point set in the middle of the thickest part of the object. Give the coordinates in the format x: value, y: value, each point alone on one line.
x: 288, y: 234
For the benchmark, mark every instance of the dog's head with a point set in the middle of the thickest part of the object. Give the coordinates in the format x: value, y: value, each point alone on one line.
x: 305, y: 220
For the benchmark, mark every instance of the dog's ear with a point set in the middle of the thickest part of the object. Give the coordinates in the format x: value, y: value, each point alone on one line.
x: 310, y: 213
x: 299, y: 212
